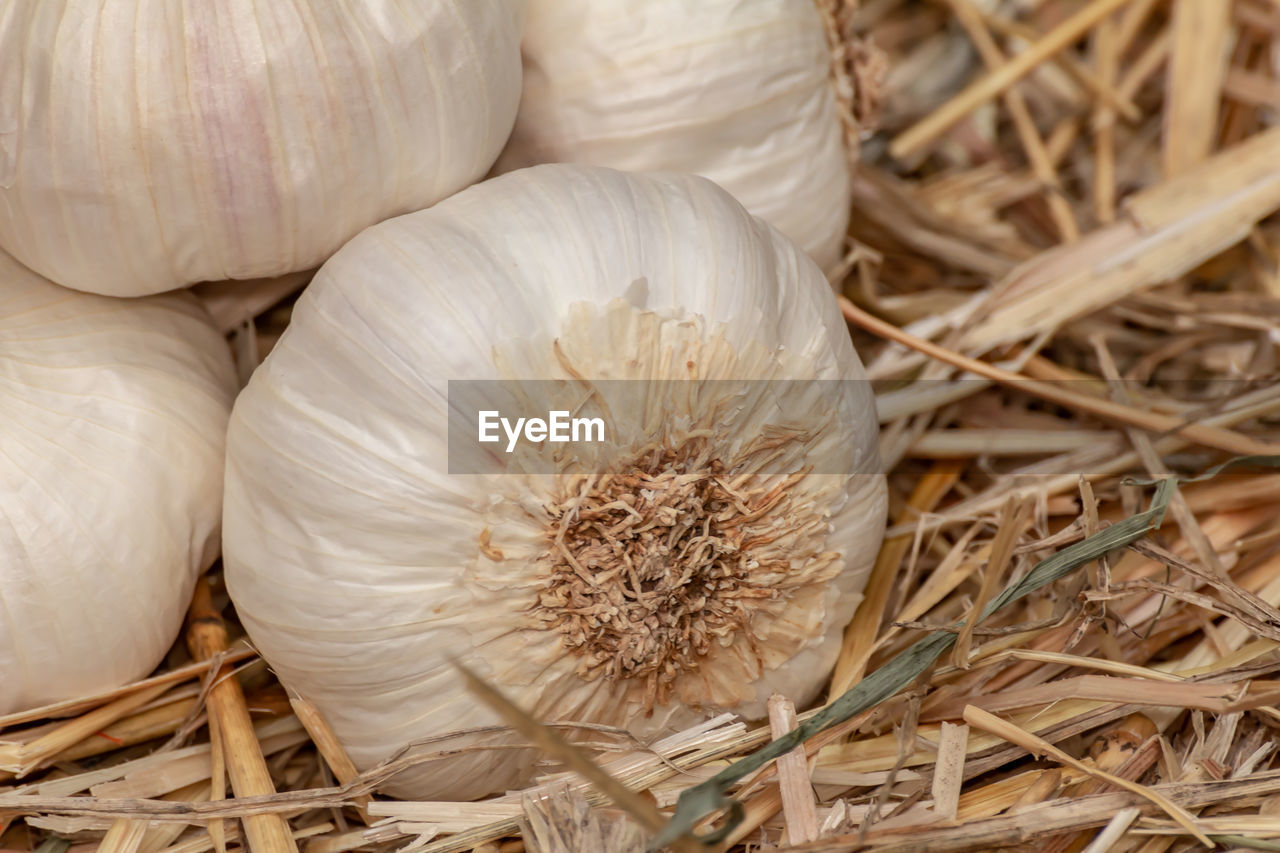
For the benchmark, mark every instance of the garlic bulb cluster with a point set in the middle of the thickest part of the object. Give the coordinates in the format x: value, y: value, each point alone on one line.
x: 736, y: 92
x: 112, y: 422
x: 359, y: 565
x: 147, y: 146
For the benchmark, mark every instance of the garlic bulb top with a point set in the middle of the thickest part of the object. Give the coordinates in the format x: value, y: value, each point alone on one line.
x: 737, y: 92
x: 112, y: 422
x: 149, y: 145
x: 359, y: 564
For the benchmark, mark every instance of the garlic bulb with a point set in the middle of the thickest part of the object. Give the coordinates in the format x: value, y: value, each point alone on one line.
x: 112, y: 422
x: 146, y: 146
x: 358, y: 563
x: 736, y: 92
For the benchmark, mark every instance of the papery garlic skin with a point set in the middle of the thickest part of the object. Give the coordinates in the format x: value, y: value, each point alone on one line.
x: 736, y: 92
x: 359, y: 565
x: 113, y: 415
x: 146, y: 145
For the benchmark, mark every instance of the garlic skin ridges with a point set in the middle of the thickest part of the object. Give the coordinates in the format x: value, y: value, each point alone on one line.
x: 112, y: 433
x: 147, y: 144
x: 360, y: 566
x: 736, y: 92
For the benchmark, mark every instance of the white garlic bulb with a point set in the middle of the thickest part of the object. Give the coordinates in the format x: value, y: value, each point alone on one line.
x: 358, y: 564
x: 736, y: 92
x: 113, y: 415
x: 149, y: 145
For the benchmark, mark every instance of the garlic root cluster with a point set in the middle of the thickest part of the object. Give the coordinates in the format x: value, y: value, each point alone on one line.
x: 112, y: 427
x: 359, y: 565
